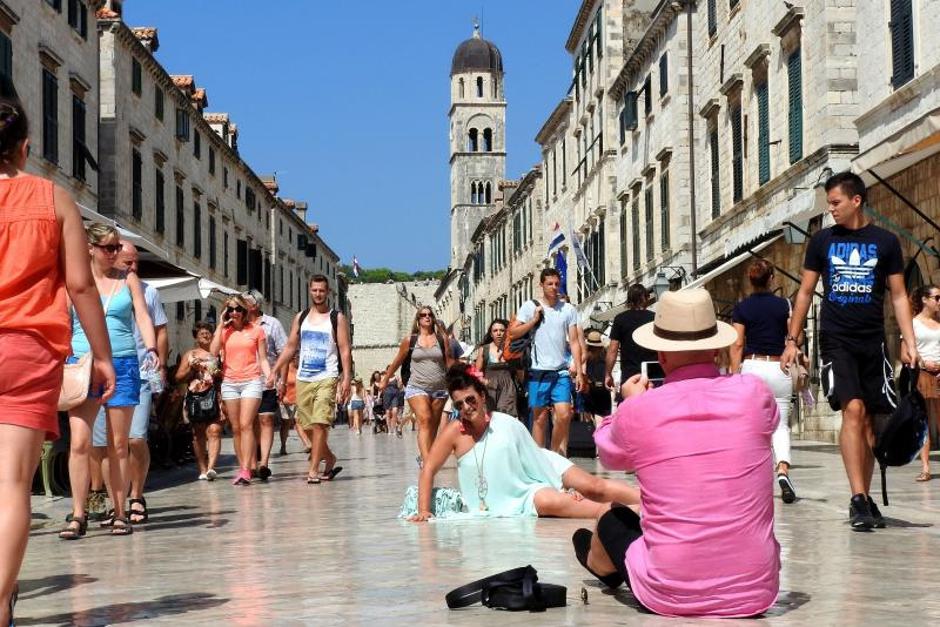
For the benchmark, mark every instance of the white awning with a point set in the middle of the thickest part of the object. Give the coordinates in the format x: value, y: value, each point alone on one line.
x: 912, y: 144
x: 135, y: 239
x: 797, y: 210
x: 728, y: 265
x: 174, y: 289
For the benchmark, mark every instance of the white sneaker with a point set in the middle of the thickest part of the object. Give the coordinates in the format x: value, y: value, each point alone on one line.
x: 210, y: 475
x: 203, y: 477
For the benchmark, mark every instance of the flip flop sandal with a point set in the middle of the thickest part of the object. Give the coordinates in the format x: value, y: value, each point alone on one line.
x: 329, y: 476
x: 582, y: 546
x: 70, y: 532
x: 312, y: 480
x: 121, y: 527
x: 923, y: 476
x: 141, y: 514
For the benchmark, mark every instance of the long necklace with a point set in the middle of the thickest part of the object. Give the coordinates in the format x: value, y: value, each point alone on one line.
x: 482, y: 486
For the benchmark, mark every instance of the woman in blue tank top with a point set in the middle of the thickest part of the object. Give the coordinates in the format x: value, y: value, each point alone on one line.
x: 122, y: 298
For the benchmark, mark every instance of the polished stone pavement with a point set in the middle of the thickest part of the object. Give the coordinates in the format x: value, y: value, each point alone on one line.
x: 287, y: 553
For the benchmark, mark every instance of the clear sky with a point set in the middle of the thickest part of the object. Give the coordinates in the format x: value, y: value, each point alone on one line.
x: 347, y: 101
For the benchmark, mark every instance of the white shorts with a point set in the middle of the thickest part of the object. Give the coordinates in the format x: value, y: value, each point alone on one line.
x: 235, y: 390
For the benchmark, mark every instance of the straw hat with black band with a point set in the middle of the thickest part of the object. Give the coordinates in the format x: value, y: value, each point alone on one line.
x: 685, y: 321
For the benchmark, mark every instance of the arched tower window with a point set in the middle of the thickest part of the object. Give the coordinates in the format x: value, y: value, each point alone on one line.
x: 479, y: 86
x: 473, y: 193
x: 473, y: 143
x: 461, y: 88
x: 495, y: 84
x: 487, y: 140
x: 489, y: 194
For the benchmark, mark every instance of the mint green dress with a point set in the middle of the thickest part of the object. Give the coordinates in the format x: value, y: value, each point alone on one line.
x: 515, y: 468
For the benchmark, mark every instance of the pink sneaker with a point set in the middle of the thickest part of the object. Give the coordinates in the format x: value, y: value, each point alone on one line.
x: 243, y: 477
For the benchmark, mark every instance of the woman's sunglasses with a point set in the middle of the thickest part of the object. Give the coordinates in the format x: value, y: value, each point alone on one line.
x: 471, y: 403
x: 111, y: 249
x: 935, y: 298
x: 239, y: 309
x: 426, y: 315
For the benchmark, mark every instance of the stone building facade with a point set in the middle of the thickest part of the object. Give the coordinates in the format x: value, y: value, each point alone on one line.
x: 49, y: 55
x: 171, y: 171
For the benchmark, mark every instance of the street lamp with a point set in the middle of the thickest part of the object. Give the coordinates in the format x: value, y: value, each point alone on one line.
x: 662, y: 283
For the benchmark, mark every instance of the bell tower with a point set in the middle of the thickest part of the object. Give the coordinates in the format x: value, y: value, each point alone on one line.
x: 477, y: 138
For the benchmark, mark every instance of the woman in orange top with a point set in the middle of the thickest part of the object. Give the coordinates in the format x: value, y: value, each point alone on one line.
x: 244, y: 349
x: 43, y: 256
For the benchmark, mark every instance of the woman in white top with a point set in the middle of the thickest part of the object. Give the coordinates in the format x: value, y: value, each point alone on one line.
x: 925, y: 302
x: 356, y: 406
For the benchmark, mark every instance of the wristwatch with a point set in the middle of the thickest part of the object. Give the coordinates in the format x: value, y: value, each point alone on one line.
x: 790, y: 338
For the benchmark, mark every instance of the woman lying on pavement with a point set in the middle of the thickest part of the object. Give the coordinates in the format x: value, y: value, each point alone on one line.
x: 501, y: 470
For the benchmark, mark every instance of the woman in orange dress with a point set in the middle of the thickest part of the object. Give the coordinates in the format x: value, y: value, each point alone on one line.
x: 43, y: 258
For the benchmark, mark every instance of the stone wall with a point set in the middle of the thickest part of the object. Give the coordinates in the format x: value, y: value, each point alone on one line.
x: 383, y: 314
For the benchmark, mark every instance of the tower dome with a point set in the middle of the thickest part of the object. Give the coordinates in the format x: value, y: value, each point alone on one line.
x: 476, y: 55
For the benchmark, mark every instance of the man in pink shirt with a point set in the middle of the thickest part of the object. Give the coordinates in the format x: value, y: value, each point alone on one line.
x: 700, y: 446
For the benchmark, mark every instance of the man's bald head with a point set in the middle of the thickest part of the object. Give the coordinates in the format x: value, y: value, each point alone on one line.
x: 128, y: 258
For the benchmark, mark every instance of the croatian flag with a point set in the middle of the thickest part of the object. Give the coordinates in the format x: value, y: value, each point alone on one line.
x: 557, y: 238
x: 356, y: 267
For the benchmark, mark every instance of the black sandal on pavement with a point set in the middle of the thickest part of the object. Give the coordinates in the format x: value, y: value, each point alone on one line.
x: 582, y: 546
x: 75, y: 528
x: 121, y: 526
x: 330, y: 474
x: 141, y: 514
x: 108, y: 519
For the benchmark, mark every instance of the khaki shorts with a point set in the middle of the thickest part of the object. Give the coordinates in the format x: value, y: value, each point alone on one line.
x: 316, y: 402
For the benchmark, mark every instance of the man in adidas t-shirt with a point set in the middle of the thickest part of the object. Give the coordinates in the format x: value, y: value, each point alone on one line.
x: 325, y: 364
x: 857, y: 261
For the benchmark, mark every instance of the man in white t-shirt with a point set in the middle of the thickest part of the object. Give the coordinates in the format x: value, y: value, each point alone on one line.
x: 323, y: 373
x: 554, y: 323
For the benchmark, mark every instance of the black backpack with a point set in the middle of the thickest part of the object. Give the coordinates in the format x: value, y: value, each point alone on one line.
x: 406, y: 363
x: 334, y: 320
x: 515, y: 590
x: 902, y: 436
x: 518, y: 352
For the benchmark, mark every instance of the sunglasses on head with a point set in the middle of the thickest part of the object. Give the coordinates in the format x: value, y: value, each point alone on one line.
x: 471, y: 403
x: 238, y: 309
x: 111, y: 249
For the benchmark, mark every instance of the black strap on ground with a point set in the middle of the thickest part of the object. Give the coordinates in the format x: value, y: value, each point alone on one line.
x: 473, y: 592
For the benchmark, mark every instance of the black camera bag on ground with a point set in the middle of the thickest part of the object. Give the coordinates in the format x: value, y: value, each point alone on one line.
x: 514, y: 590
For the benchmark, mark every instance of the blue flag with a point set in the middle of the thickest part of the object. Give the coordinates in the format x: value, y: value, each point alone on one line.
x: 561, y: 264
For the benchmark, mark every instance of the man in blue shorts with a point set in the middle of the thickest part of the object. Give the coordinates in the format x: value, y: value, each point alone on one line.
x: 554, y: 324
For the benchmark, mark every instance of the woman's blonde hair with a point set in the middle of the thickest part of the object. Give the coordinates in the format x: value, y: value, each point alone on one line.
x: 238, y: 300
x: 96, y: 232
x: 415, y: 327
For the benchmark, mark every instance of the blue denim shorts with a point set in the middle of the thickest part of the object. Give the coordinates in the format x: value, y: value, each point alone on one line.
x: 140, y: 423
x: 126, y: 383
x: 549, y: 388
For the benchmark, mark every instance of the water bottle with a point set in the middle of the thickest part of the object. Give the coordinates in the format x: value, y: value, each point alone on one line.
x: 152, y: 374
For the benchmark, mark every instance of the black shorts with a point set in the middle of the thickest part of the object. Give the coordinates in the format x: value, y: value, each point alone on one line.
x: 617, y: 530
x: 857, y: 368
x: 268, y: 402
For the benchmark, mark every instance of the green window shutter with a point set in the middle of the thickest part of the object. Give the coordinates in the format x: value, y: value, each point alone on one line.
x: 663, y: 74
x: 763, y: 134
x: 635, y: 224
x: 664, y: 209
x: 715, y: 172
x: 737, y: 155
x: 137, y: 198
x: 648, y: 99
x: 795, y: 84
x: 712, y: 18
x: 629, y: 111
x: 623, y: 238
x: 648, y: 205
x: 902, y: 42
